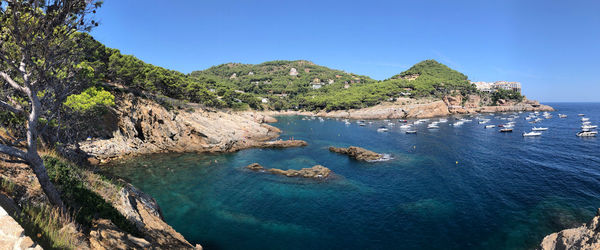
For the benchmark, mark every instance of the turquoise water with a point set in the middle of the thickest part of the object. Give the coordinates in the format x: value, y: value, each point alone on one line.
x: 453, y: 188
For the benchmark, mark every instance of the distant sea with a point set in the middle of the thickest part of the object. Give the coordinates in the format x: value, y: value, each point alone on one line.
x: 452, y: 188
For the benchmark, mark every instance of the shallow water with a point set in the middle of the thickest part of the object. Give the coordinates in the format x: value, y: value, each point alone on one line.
x: 453, y: 188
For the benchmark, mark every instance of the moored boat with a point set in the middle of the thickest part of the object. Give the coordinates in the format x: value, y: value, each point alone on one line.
x: 539, y: 129
x: 506, y: 130
x: 411, y: 131
x: 490, y: 126
x: 532, y: 133
x: 587, y: 133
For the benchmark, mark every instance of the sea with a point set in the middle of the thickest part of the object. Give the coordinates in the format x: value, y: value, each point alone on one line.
x: 456, y: 187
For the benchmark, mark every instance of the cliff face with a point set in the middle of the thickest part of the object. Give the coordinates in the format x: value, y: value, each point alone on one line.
x: 584, y: 237
x: 144, y: 127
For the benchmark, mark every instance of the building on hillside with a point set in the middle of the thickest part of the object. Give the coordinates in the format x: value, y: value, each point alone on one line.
x: 484, y: 86
x: 264, y: 100
x: 316, y: 85
x: 491, y: 87
x: 516, y: 86
x: 293, y: 72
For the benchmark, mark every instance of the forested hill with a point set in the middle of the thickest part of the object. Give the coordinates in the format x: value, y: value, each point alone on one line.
x: 279, y: 77
x: 272, y: 85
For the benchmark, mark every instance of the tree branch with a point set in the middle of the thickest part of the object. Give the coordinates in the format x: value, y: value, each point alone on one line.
x: 10, y: 108
x: 4, y: 149
x: 11, y: 82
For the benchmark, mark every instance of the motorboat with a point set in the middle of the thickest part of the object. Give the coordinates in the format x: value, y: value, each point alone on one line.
x: 382, y: 129
x: 490, y: 126
x: 442, y: 120
x: 532, y: 133
x: 405, y: 126
x: 586, y: 123
x: 347, y: 122
x: 581, y: 114
x: 587, y: 133
x: 585, y: 119
x: 539, y: 129
x: 562, y: 116
x: 411, y: 131
x: 433, y: 126
x: 589, y: 126
x: 506, y: 130
x: 458, y: 123
x: 402, y: 121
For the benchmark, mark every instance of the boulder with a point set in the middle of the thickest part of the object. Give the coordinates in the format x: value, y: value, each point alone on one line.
x: 358, y: 153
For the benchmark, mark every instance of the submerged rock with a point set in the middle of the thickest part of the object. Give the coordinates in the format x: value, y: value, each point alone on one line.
x: 316, y: 172
x: 358, y: 153
x: 585, y: 237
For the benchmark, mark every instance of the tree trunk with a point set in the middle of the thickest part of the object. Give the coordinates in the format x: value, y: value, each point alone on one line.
x: 37, y: 164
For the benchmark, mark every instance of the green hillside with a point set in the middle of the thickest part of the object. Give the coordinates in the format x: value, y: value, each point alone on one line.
x: 425, y: 79
x: 285, y: 84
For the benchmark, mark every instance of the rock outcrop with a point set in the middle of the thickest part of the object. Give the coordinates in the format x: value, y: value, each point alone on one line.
x: 146, y: 127
x: 105, y: 235
x: 585, y: 237
x: 316, y: 172
x: 358, y: 153
x: 144, y: 212
x: 280, y: 144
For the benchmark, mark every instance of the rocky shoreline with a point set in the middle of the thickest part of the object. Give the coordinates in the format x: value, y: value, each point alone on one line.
x: 144, y: 127
x: 585, y: 237
x: 406, y: 108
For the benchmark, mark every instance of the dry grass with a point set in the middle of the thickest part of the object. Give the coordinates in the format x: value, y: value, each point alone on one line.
x: 49, y: 227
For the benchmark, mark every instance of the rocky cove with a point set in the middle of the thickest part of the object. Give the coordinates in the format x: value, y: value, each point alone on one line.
x: 142, y: 126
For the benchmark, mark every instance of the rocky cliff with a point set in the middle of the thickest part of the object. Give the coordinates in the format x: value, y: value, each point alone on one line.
x: 585, y: 237
x: 407, y: 108
x: 145, y: 127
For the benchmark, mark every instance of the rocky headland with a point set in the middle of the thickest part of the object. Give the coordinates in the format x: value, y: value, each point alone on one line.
x: 141, y: 126
x: 586, y: 236
x: 316, y: 172
x: 409, y: 108
x: 358, y: 153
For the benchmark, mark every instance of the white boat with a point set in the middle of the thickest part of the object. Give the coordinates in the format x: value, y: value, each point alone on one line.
x: 589, y: 126
x: 532, y: 133
x: 347, y: 123
x: 391, y: 124
x: 562, y: 116
x: 484, y: 121
x: 490, y: 126
x: 585, y: 119
x: 581, y: 114
x: 405, y: 126
x: 411, y: 131
x: 443, y: 120
x: 458, y: 123
x: 382, y: 129
x: 586, y: 123
x: 433, y: 126
x: 509, y: 125
x: 539, y: 129
x: 587, y: 133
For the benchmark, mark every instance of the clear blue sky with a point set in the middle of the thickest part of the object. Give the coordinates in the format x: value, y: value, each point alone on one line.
x: 551, y: 46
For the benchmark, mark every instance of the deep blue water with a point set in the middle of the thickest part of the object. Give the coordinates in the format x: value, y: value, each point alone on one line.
x: 454, y: 188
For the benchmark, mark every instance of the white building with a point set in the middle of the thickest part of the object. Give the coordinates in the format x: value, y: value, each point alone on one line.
x: 484, y: 86
x: 493, y: 86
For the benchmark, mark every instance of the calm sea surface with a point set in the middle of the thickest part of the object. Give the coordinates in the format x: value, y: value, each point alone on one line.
x: 453, y: 188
